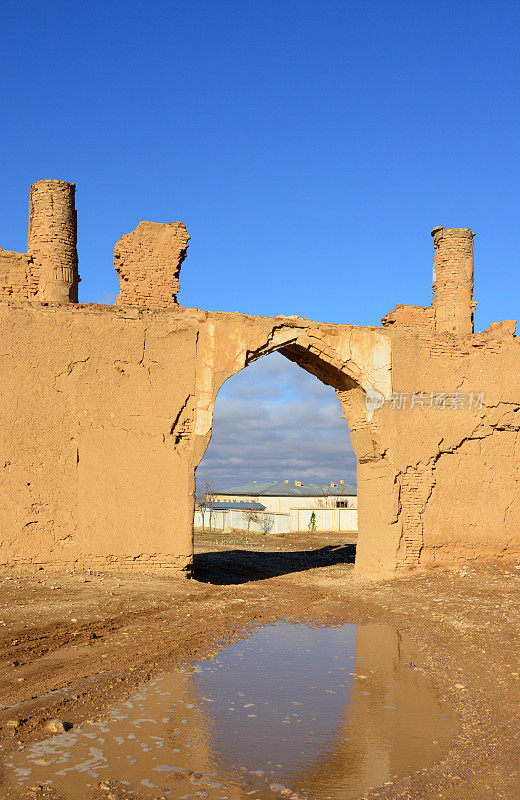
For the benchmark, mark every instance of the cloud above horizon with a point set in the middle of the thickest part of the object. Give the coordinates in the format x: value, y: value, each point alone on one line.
x: 274, y: 421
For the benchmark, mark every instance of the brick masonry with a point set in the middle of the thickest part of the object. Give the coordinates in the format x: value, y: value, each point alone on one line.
x: 49, y: 270
x: 452, y: 307
x: 148, y: 262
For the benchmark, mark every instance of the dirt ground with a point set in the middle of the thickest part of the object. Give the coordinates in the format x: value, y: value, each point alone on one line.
x: 72, y: 644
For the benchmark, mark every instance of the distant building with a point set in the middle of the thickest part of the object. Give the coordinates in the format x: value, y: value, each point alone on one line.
x: 285, y: 495
x: 224, y: 514
x: 283, y: 507
x: 226, y: 505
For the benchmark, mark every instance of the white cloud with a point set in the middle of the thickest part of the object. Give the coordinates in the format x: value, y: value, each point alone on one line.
x: 274, y: 421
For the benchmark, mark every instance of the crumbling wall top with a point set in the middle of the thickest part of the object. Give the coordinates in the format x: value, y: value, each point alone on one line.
x: 452, y: 306
x: 148, y: 262
x: 48, y: 271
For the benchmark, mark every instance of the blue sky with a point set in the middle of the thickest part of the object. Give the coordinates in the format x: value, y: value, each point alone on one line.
x: 309, y: 147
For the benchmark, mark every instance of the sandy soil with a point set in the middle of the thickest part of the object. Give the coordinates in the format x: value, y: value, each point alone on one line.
x: 72, y: 644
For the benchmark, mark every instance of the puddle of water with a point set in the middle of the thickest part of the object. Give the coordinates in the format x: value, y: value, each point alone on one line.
x: 293, y: 710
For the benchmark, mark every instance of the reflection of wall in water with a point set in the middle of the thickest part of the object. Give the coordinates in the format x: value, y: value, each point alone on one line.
x: 348, y: 740
x: 383, y: 742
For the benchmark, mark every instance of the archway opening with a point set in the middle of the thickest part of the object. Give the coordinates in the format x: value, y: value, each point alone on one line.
x: 276, y: 488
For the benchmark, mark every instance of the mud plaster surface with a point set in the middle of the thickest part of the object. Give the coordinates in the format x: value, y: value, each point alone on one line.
x: 106, y: 412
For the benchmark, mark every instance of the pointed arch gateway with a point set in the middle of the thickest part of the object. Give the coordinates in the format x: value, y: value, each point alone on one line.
x: 355, y: 362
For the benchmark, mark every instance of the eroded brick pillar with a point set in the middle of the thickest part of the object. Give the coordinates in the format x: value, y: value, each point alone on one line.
x: 148, y: 262
x: 52, y: 240
x: 453, y: 280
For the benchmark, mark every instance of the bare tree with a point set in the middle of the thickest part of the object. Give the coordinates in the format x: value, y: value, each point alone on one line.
x: 324, y: 502
x: 252, y: 515
x: 209, y: 498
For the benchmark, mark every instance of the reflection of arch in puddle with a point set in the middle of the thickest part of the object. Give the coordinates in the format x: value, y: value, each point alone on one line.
x: 394, y: 723
x: 325, y: 731
x: 280, y: 694
x: 322, y: 710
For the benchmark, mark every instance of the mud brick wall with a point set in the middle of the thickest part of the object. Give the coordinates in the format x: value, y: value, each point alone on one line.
x: 106, y: 411
x: 453, y: 280
x: 18, y: 276
x: 90, y: 473
x: 410, y: 316
x: 148, y: 262
x: 49, y: 270
x: 457, y: 455
x: 52, y: 238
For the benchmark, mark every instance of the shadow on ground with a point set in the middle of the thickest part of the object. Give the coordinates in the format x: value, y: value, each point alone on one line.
x: 241, y: 566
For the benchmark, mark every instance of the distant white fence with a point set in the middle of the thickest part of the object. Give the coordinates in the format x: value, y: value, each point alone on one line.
x: 268, y: 522
x: 334, y: 520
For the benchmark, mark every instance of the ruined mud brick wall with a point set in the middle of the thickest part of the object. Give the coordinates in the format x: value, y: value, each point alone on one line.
x: 410, y: 316
x: 105, y: 414
x: 49, y: 270
x: 457, y: 467
x: 91, y: 474
x: 452, y: 306
x: 148, y: 261
x: 106, y: 411
x: 18, y: 276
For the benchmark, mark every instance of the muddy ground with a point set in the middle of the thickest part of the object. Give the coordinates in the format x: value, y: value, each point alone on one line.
x: 72, y: 644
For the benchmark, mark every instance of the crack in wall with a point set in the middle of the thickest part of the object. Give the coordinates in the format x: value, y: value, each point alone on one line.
x: 181, y: 427
x: 68, y: 371
x: 421, y: 478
